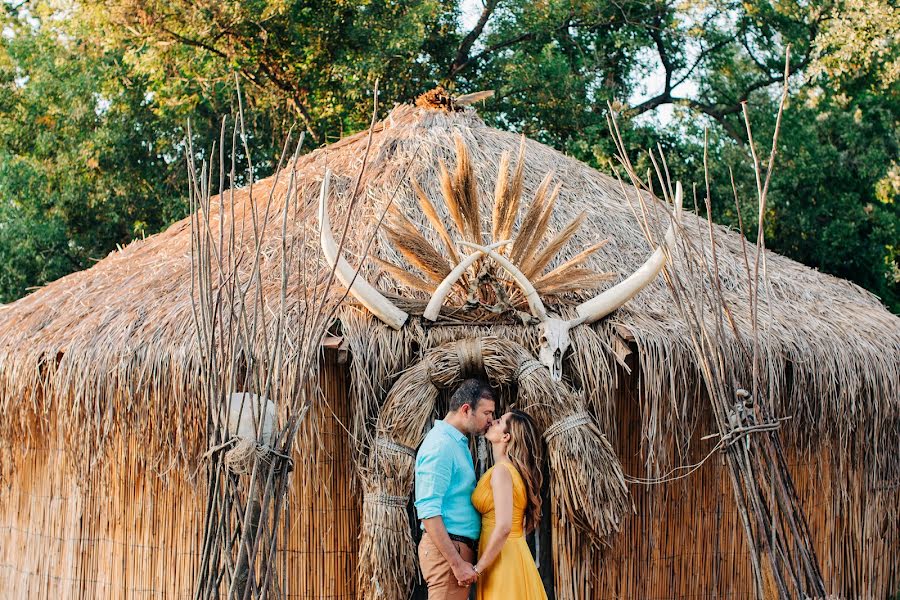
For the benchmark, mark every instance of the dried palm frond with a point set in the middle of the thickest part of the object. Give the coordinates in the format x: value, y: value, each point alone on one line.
x: 404, y: 276
x: 540, y: 230
x: 431, y: 214
x: 451, y: 199
x: 501, y: 198
x: 571, y: 280
x: 417, y: 250
x: 460, y: 194
x: 513, y: 197
x: 574, y: 261
x: 466, y: 189
x: 533, y: 216
x: 535, y: 262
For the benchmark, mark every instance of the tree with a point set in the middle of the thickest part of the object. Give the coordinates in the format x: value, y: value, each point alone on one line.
x: 82, y: 163
x: 828, y: 205
x: 555, y: 64
x: 306, y: 60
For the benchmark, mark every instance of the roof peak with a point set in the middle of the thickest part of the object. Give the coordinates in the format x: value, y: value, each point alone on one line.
x: 442, y: 100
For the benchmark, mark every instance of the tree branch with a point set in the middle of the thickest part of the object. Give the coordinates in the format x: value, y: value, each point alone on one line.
x: 523, y: 37
x: 462, y: 53
x: 718, y: 112
x: 703, y: 54
x: 656, y: 36
x: 253, y: 77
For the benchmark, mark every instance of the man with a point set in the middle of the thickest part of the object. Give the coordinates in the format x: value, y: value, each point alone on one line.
x: 445, y: 480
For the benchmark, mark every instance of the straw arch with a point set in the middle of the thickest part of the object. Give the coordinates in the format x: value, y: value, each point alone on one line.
x: 587, y: 486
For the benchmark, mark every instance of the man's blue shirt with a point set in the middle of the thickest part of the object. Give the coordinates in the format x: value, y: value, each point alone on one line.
x: 445, y: 480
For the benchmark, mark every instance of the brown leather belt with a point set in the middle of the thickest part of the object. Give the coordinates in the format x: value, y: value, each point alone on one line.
x: 463, y: 539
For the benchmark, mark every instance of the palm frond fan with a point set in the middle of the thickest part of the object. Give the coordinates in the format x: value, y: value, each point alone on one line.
x: 470, y: 280
x: 518, y: 271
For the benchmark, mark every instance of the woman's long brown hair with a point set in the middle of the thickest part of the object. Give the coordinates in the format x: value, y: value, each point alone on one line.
x: 525, y: 452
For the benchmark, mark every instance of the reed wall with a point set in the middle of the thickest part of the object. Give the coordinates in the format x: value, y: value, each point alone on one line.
x: 126, y: 534
x: 687, y: 541
x: 133, y: 533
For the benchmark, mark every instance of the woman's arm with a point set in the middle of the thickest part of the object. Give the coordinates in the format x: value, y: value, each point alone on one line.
x: 502, y: 487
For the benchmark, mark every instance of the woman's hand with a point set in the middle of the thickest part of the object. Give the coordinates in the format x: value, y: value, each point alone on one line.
x: 465, y: 573
x: 478, y: 572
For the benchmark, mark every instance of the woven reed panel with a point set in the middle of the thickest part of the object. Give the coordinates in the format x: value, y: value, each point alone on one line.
x: 135, y: 534
x: 687, y: 541
x: 125, y: 535
x: 132, y: 534
x: 324, y: 511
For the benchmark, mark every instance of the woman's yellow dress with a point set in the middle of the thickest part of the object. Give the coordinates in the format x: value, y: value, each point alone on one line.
x: 513, y: 574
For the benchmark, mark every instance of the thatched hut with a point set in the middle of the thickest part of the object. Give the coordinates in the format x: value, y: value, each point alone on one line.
x: 104, y: 431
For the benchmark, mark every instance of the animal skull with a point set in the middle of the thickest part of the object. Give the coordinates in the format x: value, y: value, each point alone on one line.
x: 554, y: 332
x: 554, y: 337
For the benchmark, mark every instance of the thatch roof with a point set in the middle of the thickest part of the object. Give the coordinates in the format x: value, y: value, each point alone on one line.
x: 112, y: 348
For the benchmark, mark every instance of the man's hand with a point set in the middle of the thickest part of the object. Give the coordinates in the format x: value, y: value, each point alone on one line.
x: 465, y: 572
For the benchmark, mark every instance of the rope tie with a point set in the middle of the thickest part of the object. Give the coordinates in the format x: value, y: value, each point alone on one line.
x: 571, y: 422
x: 239, y: 460
x: 429, y: 369
x: 387, y: 500
x: 734, y: 435
x: 387, y: 444
x: 526, y: 368
x: 471, y: 359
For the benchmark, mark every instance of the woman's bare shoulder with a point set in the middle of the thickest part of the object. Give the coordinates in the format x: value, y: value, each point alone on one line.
x: 506, y: 473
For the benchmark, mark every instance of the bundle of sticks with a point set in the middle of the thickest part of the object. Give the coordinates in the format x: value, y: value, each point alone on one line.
x: 781, y: 550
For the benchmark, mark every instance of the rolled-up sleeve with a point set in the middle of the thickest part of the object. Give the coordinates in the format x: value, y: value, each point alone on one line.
x: 433, y: 473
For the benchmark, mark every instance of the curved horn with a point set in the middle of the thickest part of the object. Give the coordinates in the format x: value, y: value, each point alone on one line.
x: 611, y: 299
x: 534, y: 301
x: 358, y: 287
x: 443, y: 290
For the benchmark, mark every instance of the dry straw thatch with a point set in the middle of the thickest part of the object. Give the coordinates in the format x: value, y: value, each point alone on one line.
x: 111, y: 350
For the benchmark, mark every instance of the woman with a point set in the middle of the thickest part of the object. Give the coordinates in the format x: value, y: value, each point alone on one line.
x: 508, y: 496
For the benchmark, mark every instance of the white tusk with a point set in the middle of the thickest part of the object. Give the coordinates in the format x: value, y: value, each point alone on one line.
x: 443, y: 290
x: 611, y: 299
x: 472, y: 98
x: 534, y: 300
x: 360, y: 289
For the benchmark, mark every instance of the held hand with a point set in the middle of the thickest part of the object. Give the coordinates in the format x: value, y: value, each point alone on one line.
x: 465, y: 573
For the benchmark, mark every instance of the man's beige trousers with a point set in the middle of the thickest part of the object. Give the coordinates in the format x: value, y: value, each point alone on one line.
x: 442, y: 583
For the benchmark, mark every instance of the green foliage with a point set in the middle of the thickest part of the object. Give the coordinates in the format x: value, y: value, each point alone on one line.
x: 833, y: 201
x: 826, y: 213
x: 825, y: 208
x: 308, y: 61
x: 81, y: 166
x: 94, y: 98
x: 860, y: 44
x: 555, y: 65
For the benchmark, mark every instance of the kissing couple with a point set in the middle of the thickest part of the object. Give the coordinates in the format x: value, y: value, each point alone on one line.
x: 475, y: 533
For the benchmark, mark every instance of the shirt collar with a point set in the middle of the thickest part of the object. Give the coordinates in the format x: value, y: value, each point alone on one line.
x: 452, y: 431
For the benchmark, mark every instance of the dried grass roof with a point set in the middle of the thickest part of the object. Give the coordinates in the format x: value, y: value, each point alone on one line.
x: 112, y: 348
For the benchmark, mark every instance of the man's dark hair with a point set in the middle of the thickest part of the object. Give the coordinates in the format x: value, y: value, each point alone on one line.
x: 470, y: 392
